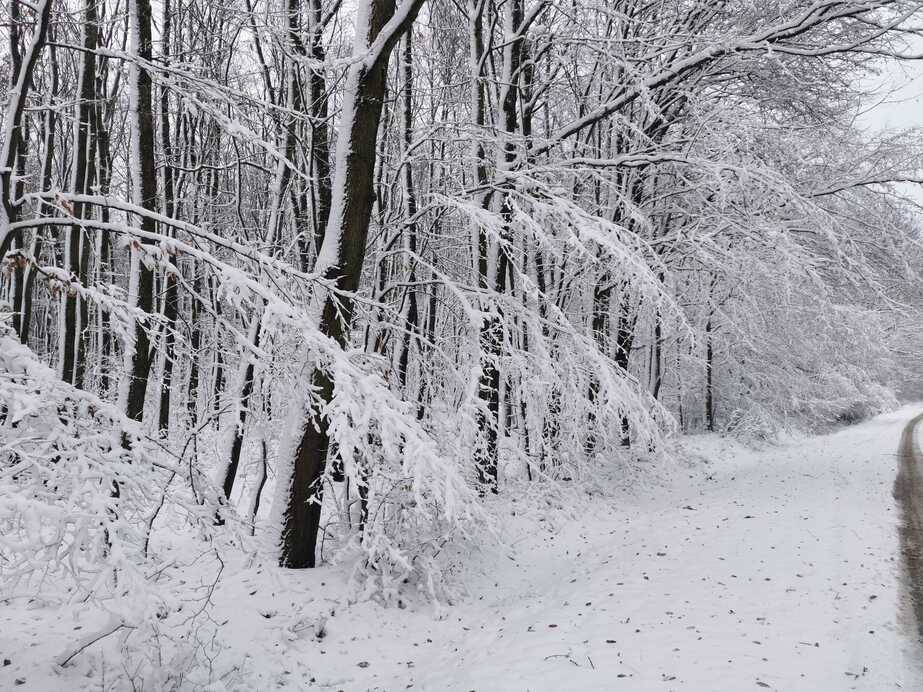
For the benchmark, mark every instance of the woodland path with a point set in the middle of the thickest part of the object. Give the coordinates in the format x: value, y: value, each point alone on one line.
x: 776, y: 568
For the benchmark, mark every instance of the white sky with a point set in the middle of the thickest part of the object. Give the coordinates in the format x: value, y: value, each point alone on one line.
x: 896, y: 103
x: 898, y: 99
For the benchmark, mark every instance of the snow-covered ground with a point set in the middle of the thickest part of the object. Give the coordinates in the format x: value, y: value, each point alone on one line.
x: 774, y: 569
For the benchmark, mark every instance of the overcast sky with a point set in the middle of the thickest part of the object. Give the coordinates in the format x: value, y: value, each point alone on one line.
x: 899, y: 97
x: 897, y: 103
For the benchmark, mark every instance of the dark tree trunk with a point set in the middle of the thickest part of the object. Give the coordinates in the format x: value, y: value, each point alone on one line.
x: 104, y: 261
x: 657, y: 356
x: 147, y: 187
x: 13, y: 143
x: 171, y: 294
x: 624, y: 340
x: 260, y: 485
x: 485, y: 458
x: 492, y: 332
x: 75, y: 309
x: 47, y: 168
x: 320, y: 137
x: 218, y: 383
x: 600, y: 325
x: 243, y: 406
x: 17, y: 148
x: 17, y: 276
x: 709, y: 363
x: 412, y: 322
x: 195, y: 339
x: 346, y: 233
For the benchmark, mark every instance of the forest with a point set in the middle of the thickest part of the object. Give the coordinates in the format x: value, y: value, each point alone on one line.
x: 297, y: 283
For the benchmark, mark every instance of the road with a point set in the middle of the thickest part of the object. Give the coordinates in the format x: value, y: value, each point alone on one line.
x: 908, y: 491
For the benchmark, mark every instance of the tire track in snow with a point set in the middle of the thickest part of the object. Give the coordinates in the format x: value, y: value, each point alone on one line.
x: 908, y: 491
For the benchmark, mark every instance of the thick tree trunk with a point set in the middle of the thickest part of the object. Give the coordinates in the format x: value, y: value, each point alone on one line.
x: 146, y: 194
x: 218, y: 380
x: 341, y: 258
x: 485, y: 457
x: 17, y: 275
x: 492, y: 332
x: 83, y: 173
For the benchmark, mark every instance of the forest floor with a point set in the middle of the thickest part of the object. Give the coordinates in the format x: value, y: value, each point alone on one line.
x: 727, y: 569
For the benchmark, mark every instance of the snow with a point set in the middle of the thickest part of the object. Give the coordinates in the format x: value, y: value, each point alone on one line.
x: 722, y: 568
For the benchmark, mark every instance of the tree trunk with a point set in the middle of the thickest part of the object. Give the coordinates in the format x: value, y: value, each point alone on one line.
x: 11, y: 136
x: 624, y: 340
x: 320, y: 137
x: 104, y: 261
x: 243, y: 406
x: 75, y: 308
x: 195, y: 339
x: 412, y: 320
x: 218, y: 382
x: 47, y: 170
x: 657, y: 355
x: 709, y: 362
x: 341, y: 258
x: 600, y: 326
x: 146, y: 196
x: 171, y: 294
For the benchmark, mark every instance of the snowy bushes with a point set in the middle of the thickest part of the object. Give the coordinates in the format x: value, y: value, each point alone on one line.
x: 399, y: 491
x: 79, y: 482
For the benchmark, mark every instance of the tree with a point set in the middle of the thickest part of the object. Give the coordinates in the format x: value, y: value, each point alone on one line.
x: 341, y: 256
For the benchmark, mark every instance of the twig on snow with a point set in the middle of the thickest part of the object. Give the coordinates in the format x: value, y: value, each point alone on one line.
x: 63, y: 659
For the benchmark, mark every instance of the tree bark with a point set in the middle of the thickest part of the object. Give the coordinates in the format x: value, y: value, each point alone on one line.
x: 709, y: 394
x: 492, y: 331
x: 12, y: 123
x: 73, y: 346
x: 343, y: 251
x: 146, y: 193
x: 320, y: 136
x: 104, y: 261
x: 171, y: 293
x: 412, y: 320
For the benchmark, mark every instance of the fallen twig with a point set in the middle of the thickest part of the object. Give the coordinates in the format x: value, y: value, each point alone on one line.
x: 88, y: 641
